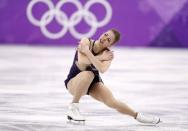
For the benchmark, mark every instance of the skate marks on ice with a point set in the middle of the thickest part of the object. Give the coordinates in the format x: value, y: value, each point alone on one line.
x: 33, y: 96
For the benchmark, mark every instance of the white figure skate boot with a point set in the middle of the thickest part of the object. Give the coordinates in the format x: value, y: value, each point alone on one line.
x: 147, y: 119
x: 74, y: 113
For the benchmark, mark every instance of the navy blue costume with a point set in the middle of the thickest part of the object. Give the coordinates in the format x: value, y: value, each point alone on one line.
x: 75, y: 70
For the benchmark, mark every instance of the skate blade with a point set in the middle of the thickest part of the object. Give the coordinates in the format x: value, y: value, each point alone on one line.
x: 159, y: 121
x: 71, y: 119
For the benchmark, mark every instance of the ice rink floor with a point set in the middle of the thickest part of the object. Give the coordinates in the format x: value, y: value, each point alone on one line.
x: 33, y: 96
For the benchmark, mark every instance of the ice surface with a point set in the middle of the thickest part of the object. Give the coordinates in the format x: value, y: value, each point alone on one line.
x: 33, y: 96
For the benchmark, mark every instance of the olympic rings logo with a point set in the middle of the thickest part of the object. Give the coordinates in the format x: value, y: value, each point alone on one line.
x: 68, y: 24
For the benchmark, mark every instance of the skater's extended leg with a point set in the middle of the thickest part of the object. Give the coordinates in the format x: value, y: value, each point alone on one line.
x: 102, y: 93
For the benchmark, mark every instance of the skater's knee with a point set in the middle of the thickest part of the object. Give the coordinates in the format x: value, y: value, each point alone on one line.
x: 87, y: 75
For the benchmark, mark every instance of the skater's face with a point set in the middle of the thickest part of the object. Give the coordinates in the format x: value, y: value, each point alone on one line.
x: 107, y: 39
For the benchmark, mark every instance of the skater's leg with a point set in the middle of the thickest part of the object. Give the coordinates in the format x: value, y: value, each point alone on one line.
x: 101, y: 93
x: 78, y: 86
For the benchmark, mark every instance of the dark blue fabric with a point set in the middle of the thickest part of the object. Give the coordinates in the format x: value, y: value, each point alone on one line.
x: 75, y: 70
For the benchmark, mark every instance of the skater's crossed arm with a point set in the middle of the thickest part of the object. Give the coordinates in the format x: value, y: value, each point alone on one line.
x: 102, y: 66
x: 101, y: 62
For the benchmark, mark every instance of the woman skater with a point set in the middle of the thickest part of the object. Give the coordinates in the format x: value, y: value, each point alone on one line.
x: 92, y: 57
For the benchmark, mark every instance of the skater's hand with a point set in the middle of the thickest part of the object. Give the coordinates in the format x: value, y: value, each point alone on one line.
x: 107, y: 55
x: 83, y: 48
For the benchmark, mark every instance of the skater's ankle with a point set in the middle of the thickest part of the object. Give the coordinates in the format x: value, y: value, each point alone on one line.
x: 74, y: 102
x: 136, y: 114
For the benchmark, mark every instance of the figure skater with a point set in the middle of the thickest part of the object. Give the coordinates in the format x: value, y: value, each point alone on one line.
x: 92, y: 57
